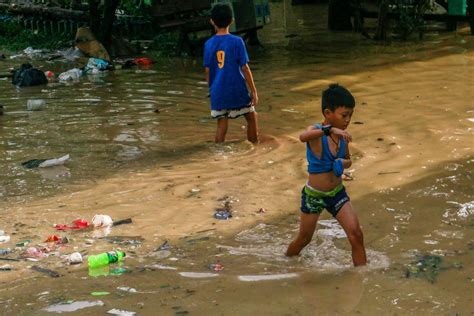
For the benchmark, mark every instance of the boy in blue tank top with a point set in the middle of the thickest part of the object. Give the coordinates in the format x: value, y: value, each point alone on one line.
x: 327, y: 152
x: 228, y: 75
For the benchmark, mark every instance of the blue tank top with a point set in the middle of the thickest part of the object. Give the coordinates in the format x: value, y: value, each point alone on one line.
x: 325, y: 164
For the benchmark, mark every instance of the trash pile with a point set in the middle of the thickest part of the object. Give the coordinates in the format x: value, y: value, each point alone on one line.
x: 61, y: 246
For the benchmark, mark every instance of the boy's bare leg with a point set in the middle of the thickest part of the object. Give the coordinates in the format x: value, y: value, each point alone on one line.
x: 252, y: 127
x: 307, y: 227
x: 349, y: 221
x: 222, y: 125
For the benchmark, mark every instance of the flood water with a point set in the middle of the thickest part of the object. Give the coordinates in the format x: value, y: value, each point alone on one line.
x: 140, y: 147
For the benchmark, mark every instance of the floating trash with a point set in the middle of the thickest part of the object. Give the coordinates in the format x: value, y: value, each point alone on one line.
x: 198, y: 275
x: 120, y: 312
x: 267, y: 277
x: 72, y: 307
x: 222, y: 214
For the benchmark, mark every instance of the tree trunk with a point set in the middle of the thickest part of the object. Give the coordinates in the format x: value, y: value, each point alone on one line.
x: 381, y: 33
x: 339, y: 15
x: 107, y: 23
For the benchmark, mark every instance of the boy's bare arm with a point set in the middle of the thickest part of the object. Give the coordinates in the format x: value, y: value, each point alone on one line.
x: 311, y: 133
x: 249, y: 79
x: 207, y: 74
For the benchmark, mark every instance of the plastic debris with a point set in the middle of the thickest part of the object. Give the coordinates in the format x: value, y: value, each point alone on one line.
x: 99, y: 293
x: 71, y: 75
x: 262, y: 210
x: 222, y: 214
x: 198, y: 275
x: 43, y: 163
x: 75, y: 258
x: 23, y: 243
x: 71, y: 306
x: 4, y: 238
x: 35, y: 252
x: 120, y: 312
x: 164, y: 246
x: 28, y: 76
x: 49, y: 272
x: 35, y: 105
x: 6, y: 268
x: 78, y: 224
x: 127, y: 289
x: 5, y: 251
x: 122, y: 221
x: 125, y: 240
x: 105, y: 258
x: 102, y: 221
x: 57, y: 239
x: 216, y: 267
x: 267, y: 277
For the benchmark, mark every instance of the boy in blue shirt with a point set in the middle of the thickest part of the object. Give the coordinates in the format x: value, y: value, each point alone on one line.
x: 228, y: 74
x: 327, y: 152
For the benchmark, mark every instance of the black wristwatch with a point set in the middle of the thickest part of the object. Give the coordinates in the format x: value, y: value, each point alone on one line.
x: 326, y: 129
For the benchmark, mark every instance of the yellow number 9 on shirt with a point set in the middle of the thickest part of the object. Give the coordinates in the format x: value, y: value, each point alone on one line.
x: 220, y: 58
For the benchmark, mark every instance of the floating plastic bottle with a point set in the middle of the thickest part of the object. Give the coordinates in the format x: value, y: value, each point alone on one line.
x: 105, y: 258
x: 35, y: 105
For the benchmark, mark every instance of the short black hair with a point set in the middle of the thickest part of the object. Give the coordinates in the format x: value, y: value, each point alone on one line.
x: 336, y: 96
x: 221, y: 14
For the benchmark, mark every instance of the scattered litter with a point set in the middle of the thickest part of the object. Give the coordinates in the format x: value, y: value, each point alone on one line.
x: 222, y: 214
x: 23, y: 243
x: 35, y: 252
x: 99, y: 293
x: 120, y: 312
x: 49, y: 272
x: 102, y: 221
x: 57, y: 239
x: 262, y: 210
x: 122, y: 221
x: 127, y: 289
x: 71, y: 306
x: 165, y: 246
x: 35, y: 105
x: 75, y: 258
x: 125, y: 240
x: 78, y: 224
x: 159, y: 267
x: 5, y: 251
x: 28, y: 76
x: 4, y: 239
x: 6, y: 268
x: 254, y: 278
x: 428, y: 267
x: 198, y: 275
x: 195, y: 190
x: 71, y: 75
x: 105, y: 258
x: 43, y: 163
x: 216, y: 267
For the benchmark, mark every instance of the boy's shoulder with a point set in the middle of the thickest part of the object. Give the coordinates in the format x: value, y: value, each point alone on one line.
x: 222, y: 38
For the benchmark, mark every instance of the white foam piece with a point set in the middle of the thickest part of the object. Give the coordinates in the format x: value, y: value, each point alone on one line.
x: 74, y: 306
x: 267, y: 277
x: 198, y: 275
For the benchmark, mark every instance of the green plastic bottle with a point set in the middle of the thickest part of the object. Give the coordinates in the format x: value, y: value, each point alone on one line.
x: 105, y: 258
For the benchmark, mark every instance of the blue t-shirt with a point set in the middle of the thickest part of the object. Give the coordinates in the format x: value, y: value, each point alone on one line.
x: 225, y: 55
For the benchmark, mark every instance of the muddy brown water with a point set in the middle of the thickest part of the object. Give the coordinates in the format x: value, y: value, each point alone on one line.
x: 413, y: 172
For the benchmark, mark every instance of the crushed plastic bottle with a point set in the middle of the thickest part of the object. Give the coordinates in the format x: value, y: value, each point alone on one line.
x: 105, y: 258
x: 71, y: 75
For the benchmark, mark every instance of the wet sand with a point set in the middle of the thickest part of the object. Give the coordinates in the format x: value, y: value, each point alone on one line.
x: 413, y: 155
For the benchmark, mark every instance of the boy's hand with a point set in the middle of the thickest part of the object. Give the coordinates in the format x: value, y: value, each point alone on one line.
x: 254, y: 100
x: 341, y: 133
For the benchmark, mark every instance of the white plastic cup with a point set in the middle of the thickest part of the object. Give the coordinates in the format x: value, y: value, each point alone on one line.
x: 35, y: 105
x: 102, y: 221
